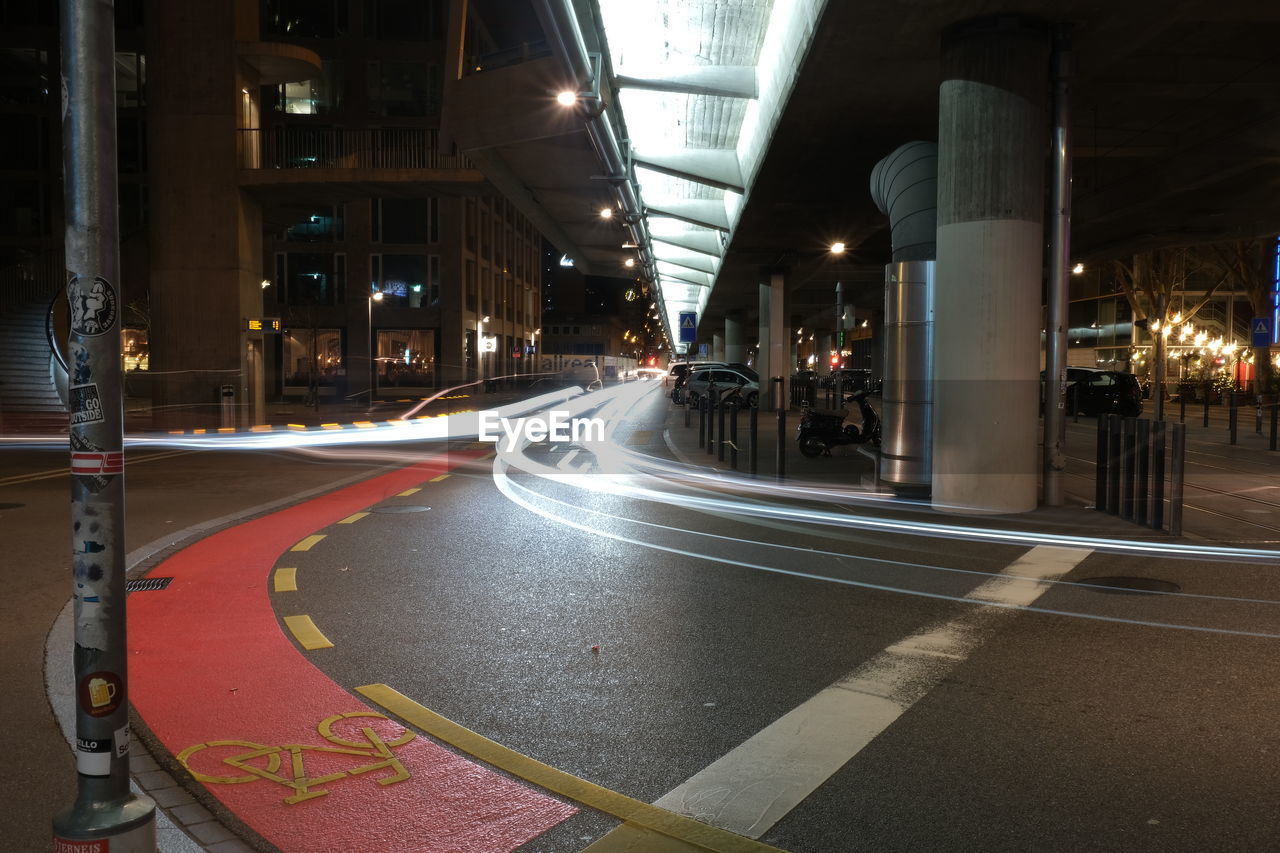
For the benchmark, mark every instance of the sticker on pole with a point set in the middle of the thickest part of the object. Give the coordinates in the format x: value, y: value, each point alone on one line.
x: 85, y: 405
x: 100, y: 693
x: 93, y: 756
x: 97, y: 464
x: 93, y: 306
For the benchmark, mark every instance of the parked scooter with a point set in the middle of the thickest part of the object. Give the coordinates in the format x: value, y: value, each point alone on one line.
x: 822, y: 429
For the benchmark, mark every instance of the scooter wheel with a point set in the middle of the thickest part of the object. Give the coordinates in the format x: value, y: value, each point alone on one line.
x: 811, y: 447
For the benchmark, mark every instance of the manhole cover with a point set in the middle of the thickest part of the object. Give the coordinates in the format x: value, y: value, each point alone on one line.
x: 400, y: 508
x: 146, y: 584
x: 1130, y: 584
x: 11, y: 506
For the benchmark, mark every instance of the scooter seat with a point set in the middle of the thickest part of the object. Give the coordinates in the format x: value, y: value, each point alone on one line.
x: 830, y: 413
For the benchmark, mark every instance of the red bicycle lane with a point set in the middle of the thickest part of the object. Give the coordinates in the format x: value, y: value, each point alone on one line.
x: 304, y: 763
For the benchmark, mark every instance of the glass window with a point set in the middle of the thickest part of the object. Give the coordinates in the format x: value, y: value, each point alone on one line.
x: 131, y: 144
x: 310, y: 278
x: 406, y: 358
x: 24, y: 75
x: 398, y: 88
x: 402, y: 220
x: 131, y: 81
x: 305, y: 18
x: 317, y: 96
x: 311, y: 359
x: 433, y: 280
x: 319, y: 224
x: 404, y: 281
x: 433, y: 220
x: 403, y: 20
x: 22, y: 146
x: 22, y: 208
x: 469, y: 219
x: 471, y: 285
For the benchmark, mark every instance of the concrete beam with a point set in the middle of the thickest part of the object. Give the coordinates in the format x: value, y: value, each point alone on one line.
x: 690, y: 260
x: 729, y: 81
x: 715, y: 167
x: 708, y: 213
x: 707, y: 242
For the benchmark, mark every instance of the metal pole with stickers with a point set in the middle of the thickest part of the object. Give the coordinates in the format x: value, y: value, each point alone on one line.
x: 105, y: 812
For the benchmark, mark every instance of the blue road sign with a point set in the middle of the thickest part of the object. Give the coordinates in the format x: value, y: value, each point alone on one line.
x: 688, y: 327
x: 1261, y: 327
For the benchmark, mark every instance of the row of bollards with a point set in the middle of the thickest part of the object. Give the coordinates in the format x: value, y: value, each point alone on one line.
x: 1130, y: 479
x: 718, y: 416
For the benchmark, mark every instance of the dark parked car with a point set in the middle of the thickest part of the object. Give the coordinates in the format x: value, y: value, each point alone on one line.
x: 851, y: 379
x: 1101, y: 392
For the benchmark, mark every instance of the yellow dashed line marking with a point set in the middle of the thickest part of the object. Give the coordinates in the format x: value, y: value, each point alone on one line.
x: 225, y: 430
x: 261, y: 428
x: 397, y: 422
x: 330, y: 426
x: 308, y: 543
x: 286, y: 580
x: 177, y: 432
x: 198, y: 432
x: 365, y: 424
x: 408, y: 492
x: 297, y: 426
x: 353, y: 518
x: 681, y: 832
x: 306, y: 633
x: 438, y: 479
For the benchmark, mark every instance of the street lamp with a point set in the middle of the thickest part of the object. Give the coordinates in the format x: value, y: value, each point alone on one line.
x: 376, y: 296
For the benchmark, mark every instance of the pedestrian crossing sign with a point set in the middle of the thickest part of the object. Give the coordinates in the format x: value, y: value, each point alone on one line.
x: 688, y: 327
x: 1262, y: 332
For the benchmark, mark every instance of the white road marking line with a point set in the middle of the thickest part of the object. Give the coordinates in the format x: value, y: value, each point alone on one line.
x: 751, y: 788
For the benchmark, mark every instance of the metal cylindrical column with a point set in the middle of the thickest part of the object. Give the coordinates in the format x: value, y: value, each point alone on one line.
x: 735, y: 348
x: 986, y: 362
x: 1157, y: 474
x: 1177, y: 466
x: 1100, y: 469
x: 105, y: 814
x: 1055, y: 371
x: 907, y: 397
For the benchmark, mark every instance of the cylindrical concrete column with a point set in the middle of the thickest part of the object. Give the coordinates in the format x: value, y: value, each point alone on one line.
x: 735, y: 348
x: 907, y: 397
x: 991, y: 148
x: 717, y: 346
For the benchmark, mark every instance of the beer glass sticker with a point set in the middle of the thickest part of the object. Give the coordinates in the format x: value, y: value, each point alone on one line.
x: 93, y: 306
x: 100, y: 693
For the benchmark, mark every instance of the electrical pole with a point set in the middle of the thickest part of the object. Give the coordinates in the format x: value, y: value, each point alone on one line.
x: 105, y: 810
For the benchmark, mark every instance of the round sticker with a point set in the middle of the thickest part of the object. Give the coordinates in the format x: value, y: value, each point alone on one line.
x: 93, y: 307
x: 100, y: 693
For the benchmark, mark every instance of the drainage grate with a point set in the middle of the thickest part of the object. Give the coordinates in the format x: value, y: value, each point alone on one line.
x: 400, y: 508
x: 146, y: 584
x: 1121, y: 583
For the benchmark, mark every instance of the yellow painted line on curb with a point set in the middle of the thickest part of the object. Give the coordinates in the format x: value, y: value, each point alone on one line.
x: 330, y: 426
x: 306, y: 633
x: 297, y: 426
x: 397, y: 422
x: 438, y: 479
x: 676, y: 828
x: 286, y: 580
x: 177, y: 432
x: 225, y: 430
x: 408, y: 492
x: 308, y: 543
x: 365, y: 424
x: 353, y: 518
x: 198, y: 432
x: 261, y: 428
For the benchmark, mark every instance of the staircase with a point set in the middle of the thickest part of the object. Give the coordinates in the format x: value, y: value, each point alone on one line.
x: 26, y: 365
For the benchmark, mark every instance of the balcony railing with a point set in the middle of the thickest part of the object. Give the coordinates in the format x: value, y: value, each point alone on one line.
x: 345, y: 148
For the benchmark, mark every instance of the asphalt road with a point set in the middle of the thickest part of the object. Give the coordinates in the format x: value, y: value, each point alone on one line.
x: 799, y: 677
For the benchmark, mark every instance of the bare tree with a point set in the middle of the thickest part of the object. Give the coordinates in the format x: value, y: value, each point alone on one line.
x: 1250, y: 266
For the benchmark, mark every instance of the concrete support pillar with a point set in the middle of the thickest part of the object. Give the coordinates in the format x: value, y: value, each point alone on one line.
x: 991, y: 147
x: 776, y: 346
x: 826, y: 343
x: 717, y: 346
x: 735, y: 349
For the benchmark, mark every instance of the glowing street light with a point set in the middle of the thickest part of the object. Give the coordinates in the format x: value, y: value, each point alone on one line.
x: 837, y: 248
x: 567, y: 98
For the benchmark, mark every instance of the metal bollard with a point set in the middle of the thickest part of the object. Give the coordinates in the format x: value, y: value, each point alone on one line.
x: 709, y: 402
x: 1141, y: 494
x: 1257, y: 419
x: 1157, y: 475
x: 720, y: 406
x: 1113, y: 464
x: 702, y: 422
x: 733, y: 436
x: 1177, y: 465
x: 1100, y: 470
x: 753, y: 427
x: 1232, y: 413
x: 782, y: 443
x: 1127, y: 468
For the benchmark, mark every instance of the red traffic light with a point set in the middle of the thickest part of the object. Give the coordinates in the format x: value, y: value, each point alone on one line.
x: 835, y: 361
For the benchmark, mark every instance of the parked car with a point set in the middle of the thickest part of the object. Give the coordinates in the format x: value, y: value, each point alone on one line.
x: 1091, y: 392
x: 724, y: 378
x: 851, y: 379
x: 679, y: 370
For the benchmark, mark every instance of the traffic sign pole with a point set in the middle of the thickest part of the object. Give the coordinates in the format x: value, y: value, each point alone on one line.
x: 106, y: 814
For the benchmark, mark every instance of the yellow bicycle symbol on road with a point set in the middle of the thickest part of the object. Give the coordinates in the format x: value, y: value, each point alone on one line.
x: 247, y: 758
